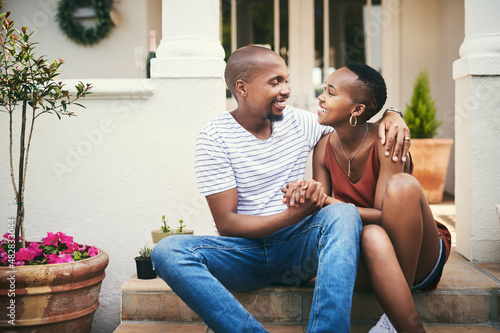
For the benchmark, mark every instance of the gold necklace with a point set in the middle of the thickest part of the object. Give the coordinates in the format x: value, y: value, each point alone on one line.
x: 350, y: 159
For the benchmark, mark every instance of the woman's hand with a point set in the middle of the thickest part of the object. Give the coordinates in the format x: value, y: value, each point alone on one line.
x: 300, y: 193
x: 295, y: 192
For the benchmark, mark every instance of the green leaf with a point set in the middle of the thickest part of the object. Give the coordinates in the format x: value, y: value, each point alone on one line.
x: 77, y: 255
x: 80, y: 105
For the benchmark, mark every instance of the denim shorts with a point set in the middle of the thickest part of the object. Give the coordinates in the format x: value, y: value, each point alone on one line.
x: 436, y: 270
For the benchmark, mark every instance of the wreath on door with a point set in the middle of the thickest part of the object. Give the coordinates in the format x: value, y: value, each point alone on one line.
x: 75, y: 31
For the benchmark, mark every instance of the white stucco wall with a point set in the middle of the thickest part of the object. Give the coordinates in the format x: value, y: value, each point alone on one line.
x: 113, y: 57
x: 431, y: 35
x: 106, y: 176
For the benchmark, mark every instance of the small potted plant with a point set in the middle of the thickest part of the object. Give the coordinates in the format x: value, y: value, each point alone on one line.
x: 431, y: 155
x: 144, y: 264
x: 165, y: 230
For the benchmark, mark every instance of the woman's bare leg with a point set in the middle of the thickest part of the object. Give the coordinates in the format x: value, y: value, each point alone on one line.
x: 408, y: 220
x: 389, y: 283
x: 404, y: 251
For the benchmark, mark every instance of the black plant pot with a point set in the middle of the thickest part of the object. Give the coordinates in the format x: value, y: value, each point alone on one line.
x: 145, y: 269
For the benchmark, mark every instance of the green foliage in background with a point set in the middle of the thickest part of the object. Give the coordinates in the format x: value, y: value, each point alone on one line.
x: 420, y: 114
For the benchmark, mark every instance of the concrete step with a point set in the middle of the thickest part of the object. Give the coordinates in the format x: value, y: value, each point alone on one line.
x: 466, y: 297
x: 193, y: 328
x: 200, y: 328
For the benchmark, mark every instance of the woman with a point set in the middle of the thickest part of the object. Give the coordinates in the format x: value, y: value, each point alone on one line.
x: 402, y: 247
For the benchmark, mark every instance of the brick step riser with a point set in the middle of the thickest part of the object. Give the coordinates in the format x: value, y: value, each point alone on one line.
x: 290, y: 307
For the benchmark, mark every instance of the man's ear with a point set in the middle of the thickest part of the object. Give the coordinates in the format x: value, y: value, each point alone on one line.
x: 241, y: 88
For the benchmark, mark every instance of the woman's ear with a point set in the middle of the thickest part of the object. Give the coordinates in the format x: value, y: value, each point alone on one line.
x: 241, y: 87
x: 359, y: 110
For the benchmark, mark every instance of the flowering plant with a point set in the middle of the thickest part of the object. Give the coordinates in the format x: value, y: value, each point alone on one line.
x: 54, y: 249
x: 28, y: 87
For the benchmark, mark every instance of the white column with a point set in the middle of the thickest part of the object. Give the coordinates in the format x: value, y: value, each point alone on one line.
x: 391, y: 51
x: 190, y: 45
x: 301, y: 53
x: 477, y: 133
x: 189, y: 89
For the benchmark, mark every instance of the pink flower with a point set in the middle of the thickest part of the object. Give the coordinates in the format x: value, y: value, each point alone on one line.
x: 10, y: 236
x: 71, y: 248
x: 61, y: 244
x: 7, y: 238
x: 56, y: 239
x: 92, y: 252
x: 57, y: 259
x: 51, y: 239
x: 35, y: 247
x: 51, y: 258
x: 3, y: 256
x: 68, y: 240
x: 65, y: 258
x: 28, y: 253
x: 24, y: 254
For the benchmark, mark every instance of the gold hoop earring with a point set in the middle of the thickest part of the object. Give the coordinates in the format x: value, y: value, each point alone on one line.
x: 355, y: 120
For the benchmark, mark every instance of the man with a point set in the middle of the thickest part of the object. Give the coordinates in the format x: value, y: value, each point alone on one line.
x: 243, y: 159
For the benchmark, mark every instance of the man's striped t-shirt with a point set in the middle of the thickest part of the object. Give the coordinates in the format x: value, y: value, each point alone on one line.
x: 228, y: 156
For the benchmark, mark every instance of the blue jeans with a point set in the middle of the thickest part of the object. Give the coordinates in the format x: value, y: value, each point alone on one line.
x: 202, y: 270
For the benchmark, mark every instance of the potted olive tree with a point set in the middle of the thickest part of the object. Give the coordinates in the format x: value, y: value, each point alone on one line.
x: 430, y: 155
x: 33, y: 270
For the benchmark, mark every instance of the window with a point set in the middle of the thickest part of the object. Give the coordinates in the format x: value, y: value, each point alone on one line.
x: 350, y: 32
x: 257, y: 22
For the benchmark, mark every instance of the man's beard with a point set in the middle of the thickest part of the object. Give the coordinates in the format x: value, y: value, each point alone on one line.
x: 274, y: 118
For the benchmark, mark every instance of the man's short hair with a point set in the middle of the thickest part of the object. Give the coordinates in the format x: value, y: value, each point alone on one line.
x: 370, y: 88
x: 242, y: 65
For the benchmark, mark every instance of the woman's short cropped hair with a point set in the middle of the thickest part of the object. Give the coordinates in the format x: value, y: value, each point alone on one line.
x: 370, y: 88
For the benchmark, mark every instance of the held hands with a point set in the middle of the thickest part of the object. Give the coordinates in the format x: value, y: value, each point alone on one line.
x: 393, y: 128
x: 305, y: 196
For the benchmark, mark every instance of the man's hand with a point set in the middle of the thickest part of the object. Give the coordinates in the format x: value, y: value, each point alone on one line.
x: 393, y: 128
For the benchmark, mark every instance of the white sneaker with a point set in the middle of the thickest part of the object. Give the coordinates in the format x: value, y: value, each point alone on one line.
x: 384, y: 325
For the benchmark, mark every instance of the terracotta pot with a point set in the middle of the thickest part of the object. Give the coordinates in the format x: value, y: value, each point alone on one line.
x: 52, y: 298
x: 145, y: 269
x: 158, y: 235
x: 431, y: 158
